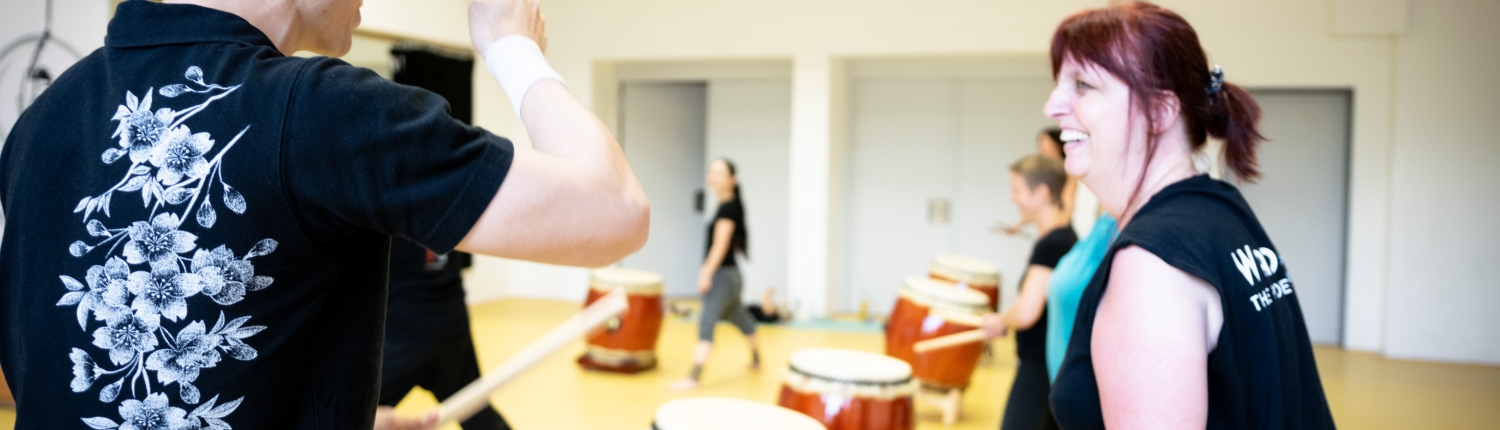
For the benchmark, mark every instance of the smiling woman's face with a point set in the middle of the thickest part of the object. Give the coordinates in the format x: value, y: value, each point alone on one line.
x: 1103, y: 137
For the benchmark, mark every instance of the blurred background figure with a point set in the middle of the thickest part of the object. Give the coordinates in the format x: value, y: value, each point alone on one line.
x: 719, y: 279
x: 1049, y: 143
x: 1036, y: 182
x: 427, y: 338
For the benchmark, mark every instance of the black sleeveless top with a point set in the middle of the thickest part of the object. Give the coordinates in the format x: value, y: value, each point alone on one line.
x: 1262, y: 374
x: 1031, y: 343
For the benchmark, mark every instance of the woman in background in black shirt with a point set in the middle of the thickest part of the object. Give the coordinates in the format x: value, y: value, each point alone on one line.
x: 1036, y: 182
x: 1191, y: 321
x: 719, y: 280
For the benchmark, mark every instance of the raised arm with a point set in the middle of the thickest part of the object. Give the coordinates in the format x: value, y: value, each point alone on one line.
x: 571, y: 198
x: 1152, y: 335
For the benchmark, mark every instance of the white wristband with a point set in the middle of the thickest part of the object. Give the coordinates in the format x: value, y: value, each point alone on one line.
x: 517, y: 63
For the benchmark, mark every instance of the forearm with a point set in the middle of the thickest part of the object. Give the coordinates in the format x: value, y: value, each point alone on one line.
x: 1028, y: 308
x: 570, y: 197
x: 715, y: 258
x: 1020, y: 319
x: 558, y: 124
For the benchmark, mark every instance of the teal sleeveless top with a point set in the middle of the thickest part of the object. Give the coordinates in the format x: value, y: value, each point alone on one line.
x: 1064, y: 290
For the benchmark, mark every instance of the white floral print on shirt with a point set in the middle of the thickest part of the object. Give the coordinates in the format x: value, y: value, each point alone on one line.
x: 152, y: 270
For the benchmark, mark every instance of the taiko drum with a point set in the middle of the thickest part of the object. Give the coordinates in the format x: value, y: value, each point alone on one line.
x: 717, y: 413
x: 628, y: 343
x: 5, y: 396
x: 850, y: 390
x: 970, y: 272
x: 920, y: 304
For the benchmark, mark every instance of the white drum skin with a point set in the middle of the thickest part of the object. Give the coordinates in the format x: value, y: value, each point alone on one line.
x: 850, y: 390
x: 718, y: 413
x: 970, y: 272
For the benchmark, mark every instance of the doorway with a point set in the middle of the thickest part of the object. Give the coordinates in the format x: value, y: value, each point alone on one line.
x: 925, y: 144
x: 662, y: 129
x: 1303, y: 194
x: 671, y: 129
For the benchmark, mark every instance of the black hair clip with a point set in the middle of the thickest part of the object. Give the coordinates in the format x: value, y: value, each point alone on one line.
x: 1215, y: 84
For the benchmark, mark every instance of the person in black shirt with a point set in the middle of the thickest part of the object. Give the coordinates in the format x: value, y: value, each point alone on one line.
x: 198, y: 225
x: 427, y: 339
x: 719, y: 280
x: 1036, y: 183
x: 1191, y: 321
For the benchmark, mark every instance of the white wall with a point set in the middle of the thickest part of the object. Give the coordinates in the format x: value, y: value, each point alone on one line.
x: 78, y: 28
x: 1440, y: 59
x: 79, y: 24
x: 1443, y: 230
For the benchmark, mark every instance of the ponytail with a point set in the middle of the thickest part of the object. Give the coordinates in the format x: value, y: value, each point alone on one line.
x: 739, y: 230
x: 1233, y: 117
x: 740, y: 240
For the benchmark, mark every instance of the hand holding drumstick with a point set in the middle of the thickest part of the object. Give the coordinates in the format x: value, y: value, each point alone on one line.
x: 991, y: 326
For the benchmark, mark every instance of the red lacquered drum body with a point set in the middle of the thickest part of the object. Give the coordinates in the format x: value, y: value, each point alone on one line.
x: 914, y: 320
x: 628, y: 343
x: 970, y: 272
x: 850, y: 390
x: 5, y: 392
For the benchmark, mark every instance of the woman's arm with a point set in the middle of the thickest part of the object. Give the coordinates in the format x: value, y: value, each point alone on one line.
x: 723, y: 233
x: 1152, y: 335
x: 1032, y: 301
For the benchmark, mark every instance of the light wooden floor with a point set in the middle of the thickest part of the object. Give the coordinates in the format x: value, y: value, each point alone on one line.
x: 1365, y: 390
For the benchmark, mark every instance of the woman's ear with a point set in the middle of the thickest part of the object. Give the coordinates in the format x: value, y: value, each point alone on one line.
x: 1042, y: 192
x: 1168, y: 111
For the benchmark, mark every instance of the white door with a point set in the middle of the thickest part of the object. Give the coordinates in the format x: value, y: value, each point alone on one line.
x: 1301, y: 199
x: 662, y: 130
x: 916, y: 140
x: 750, y: 122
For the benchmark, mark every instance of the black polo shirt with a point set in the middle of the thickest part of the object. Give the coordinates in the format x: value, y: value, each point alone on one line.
x: 198, y: 228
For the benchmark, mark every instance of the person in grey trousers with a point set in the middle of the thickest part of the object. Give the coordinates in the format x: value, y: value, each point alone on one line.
x: 719, y: 280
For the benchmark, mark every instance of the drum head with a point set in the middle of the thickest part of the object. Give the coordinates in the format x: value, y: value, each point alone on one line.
x: 851, y: 366
x: 946, y: 295
x: 965, y: 269
x: 716, y: 413
x: 632, y: 280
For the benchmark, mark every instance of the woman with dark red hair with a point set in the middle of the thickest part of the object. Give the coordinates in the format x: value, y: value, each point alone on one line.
x: 1191, y: 320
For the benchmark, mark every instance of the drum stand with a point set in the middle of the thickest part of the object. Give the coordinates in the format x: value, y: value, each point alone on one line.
x: 948, y: 400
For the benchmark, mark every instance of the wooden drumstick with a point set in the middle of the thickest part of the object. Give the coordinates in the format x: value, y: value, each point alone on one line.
x: 949, y: 341
x: 958, y: 317
x: 475, y: 396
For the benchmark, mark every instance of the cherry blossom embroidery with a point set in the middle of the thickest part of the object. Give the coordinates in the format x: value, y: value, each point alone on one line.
x: 151, y: 271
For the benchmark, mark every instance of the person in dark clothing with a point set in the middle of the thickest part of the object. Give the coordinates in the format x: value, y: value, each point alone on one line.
x: 1036, y: 183
x: 1191, y: 320
x: 719, y: 279
x: 427, y: 339
x: 767, y: 311
x: 198, y: 225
